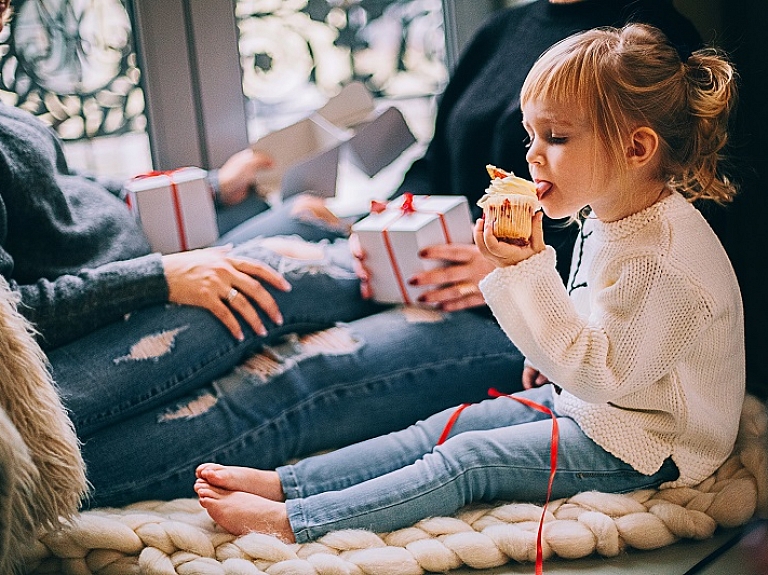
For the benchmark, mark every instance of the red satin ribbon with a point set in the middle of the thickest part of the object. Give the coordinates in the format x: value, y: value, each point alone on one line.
x: 405, y: 208
x: 552, y: 458
x: 377, y: 207
x: 451, y: 422
x: 395, y: 267
x: 183, y: 243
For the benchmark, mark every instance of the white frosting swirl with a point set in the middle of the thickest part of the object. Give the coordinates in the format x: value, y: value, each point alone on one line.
x: 512, y: 185
x: 509, y: 185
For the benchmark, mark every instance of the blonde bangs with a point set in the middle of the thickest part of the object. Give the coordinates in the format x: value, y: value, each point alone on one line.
x: 562, y: 75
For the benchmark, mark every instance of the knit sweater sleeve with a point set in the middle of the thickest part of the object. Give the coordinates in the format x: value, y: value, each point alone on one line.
x: 642, y: 318
x: 114, y: 186
x: 72, y: 306
x: 69, y: 249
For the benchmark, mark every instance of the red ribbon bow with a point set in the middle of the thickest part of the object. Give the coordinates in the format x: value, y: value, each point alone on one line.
x: 407, y: 206
x: 154, y: 173
x: 377, y: 207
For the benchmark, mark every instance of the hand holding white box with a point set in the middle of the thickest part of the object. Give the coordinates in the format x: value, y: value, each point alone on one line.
x: 175, y: 209
x: 392, y: 239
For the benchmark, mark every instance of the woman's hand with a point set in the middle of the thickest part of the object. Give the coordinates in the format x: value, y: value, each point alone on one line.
x: 454, y: 286
x: 502, y: 254
x: 358, y: 264
x: 455, y: 283
x: 212, y: 279
x: 237, y: 177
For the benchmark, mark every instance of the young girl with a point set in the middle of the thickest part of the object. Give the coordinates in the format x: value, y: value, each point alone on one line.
x: 645, y: 343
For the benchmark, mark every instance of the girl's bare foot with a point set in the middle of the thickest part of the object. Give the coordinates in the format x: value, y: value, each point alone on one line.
x: 256, y: 481
x: 240, y: 513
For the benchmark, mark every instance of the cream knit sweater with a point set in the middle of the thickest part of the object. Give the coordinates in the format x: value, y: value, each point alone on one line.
x: 648, y: 347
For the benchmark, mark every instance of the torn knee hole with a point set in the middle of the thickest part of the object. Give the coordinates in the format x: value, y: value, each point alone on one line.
x: 337, y: 340
x: 294, y: 248
x: 152, y: 347
x: 194, y: 408
x: 415, y: 314
x: 274, y: 360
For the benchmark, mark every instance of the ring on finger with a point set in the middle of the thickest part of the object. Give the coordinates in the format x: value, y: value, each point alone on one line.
x: 231, y: 295
x: 466, y: 290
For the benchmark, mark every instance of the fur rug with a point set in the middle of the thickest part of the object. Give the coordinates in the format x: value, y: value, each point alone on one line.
x: 178, y: 537
x: 42, y: 476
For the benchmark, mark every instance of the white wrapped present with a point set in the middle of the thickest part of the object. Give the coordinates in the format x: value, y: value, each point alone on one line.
x: 393, y: 235
x: 175, y: 209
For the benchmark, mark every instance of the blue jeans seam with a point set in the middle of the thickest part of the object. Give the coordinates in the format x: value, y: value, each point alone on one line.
x: 289, y: 482
x: 454, y: 479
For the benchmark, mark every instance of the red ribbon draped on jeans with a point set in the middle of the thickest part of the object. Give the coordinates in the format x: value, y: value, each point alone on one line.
x: 175, y: 200
x: 552, y: 457
x: 405, y: 208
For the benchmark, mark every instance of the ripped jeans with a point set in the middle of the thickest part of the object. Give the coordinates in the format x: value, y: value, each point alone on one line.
x: 168, y: 388
x: 160, y: 353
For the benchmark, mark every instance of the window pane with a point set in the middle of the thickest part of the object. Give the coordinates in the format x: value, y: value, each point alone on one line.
x: 72, y: 63
x: 295, y: 54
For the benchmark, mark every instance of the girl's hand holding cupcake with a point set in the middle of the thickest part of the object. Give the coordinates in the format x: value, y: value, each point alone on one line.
x: 503, y: 254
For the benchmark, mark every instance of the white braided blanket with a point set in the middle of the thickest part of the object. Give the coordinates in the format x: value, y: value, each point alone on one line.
x: 178, y: 537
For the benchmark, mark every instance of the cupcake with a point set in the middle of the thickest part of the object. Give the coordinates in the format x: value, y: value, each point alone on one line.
x: 509, y: 202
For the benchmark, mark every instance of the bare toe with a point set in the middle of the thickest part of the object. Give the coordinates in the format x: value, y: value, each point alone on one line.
x: 206, y: 490
x: 206, y: 466
x: 255, y: 481
x: 241, y: 513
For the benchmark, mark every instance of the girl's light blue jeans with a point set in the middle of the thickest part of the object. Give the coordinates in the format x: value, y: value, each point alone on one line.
x: 497, y: 449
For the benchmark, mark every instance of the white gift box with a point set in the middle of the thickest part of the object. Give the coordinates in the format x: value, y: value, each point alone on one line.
x: 175, y: 209
x: 392, y: 239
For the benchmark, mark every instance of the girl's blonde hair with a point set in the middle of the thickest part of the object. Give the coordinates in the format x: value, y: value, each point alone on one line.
x: 630, y: 77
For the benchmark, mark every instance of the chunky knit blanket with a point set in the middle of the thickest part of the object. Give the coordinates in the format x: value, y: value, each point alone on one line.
x: 178, y: 537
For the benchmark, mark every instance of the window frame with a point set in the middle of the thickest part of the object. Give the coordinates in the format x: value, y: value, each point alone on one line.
x: 195, y: 108
x: 192, y: 83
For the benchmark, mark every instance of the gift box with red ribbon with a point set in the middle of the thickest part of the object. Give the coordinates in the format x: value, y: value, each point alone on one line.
x: 393, y: 234
x: 175, y: 209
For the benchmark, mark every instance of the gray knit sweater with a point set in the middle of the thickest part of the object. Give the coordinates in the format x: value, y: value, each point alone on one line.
x: 68, y: 245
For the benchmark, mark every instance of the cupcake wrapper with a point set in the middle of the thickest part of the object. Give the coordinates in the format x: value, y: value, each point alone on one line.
x: 511, y: 219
